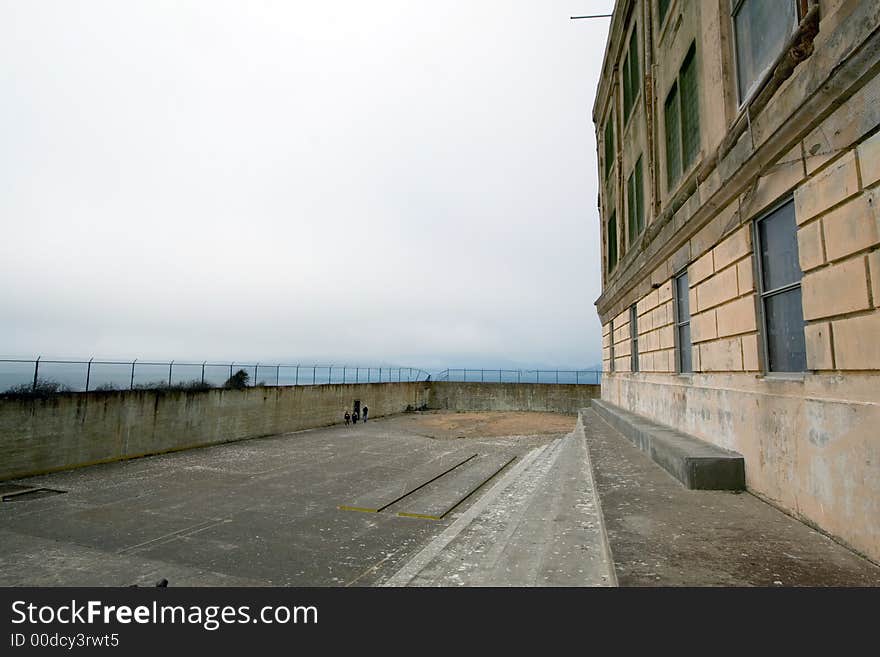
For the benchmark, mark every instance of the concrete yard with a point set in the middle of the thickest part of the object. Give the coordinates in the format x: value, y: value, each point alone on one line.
x: 514, y: 494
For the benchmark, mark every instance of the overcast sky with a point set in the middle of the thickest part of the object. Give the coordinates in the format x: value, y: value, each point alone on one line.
x: 399, y: 182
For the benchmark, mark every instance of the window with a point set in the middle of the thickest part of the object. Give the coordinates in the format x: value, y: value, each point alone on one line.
x: 612, y: 242
x: 780, y: 286
x: 682, y: 120
x: 609, y: 146
x: 683, y: 323
x: 761, y: 29
x: 635, y: 202
x: 631, y: 83
x: 634, y: 332
x: 663, y: 7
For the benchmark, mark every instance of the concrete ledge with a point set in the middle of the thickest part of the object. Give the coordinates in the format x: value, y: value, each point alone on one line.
x: 698, y: 465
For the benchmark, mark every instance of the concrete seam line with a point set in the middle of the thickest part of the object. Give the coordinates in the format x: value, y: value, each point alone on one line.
x: 606, y: 544
x: 420, y: 560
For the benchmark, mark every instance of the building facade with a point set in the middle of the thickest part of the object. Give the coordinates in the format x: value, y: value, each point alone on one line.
x: 739, y: 164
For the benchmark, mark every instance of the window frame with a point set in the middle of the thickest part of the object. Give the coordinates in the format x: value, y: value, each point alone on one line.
x: 610, y: 267
x: 679, y: 324
x: 762, y: 294
x: 631, y: 86
x: 743, y: 97
x: 676, y: 87
x: 634, y: 338
x: 609, y: 161
x: 635, y: 191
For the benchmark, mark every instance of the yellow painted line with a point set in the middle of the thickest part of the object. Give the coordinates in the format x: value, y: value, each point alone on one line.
x: 343, y: 507
x: 418, y: 515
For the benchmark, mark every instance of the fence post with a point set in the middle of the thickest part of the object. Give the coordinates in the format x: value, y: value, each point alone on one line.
x: 296, y: 380
x: 36, y: 372
x: 277, y: 374
x: 380, y: 375
x: 169, y: 373
x: 577, y: 376
x: 314, y: 374
x: 518, y: 375
x: 89, y: 372
x: 230, y: 368
x: 557, y: 376
x: 256, y: 367
x: 330, y: 374
x: 499, y: 377
x: 343, y: 375
x: 131, y: 387
x: 203, y: 372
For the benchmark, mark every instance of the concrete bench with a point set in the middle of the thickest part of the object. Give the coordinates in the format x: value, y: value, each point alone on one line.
x: 698, y: 465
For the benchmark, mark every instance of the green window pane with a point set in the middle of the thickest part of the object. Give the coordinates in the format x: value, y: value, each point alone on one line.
x: 673, y: 151
x: 663, y: 6
x: 609, y: 146
x: 612, y: 242
x: 639, y: 197
x: 690, y: 109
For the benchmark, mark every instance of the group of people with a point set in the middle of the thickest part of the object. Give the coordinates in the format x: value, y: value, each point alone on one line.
x: 354, y: 416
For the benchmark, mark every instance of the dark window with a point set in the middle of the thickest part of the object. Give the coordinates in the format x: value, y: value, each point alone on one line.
x: 631, y: 74
x: 673, y: 147
x: 690, y: 110
x: 635, y: 202
x: 612, y: 242
x: 634, y: 332
x: 663, y: 6
x: 780, y: 283
x: 682, y: 120
x: 683, y: 323
x: 761, y: 30
x: 609, y: 146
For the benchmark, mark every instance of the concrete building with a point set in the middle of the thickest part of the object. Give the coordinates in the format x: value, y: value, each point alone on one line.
x: 739, y: 172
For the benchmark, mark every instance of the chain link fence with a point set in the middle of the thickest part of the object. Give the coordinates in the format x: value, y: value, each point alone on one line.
x: 578, y: 377
x: 22, y: 376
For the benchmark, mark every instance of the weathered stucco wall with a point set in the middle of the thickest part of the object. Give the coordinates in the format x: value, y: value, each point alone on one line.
x: 82, y: 428
x: 559, y: 398
x: 79, y: 429
x: 811, y: 446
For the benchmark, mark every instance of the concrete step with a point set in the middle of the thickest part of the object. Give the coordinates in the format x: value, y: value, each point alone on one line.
x: 444, y: 494
x: 397, y: 489
x: 698, y: 465
x: 540, y: 525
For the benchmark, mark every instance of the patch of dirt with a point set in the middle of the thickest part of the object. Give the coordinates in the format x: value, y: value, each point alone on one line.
x: 451, y: 425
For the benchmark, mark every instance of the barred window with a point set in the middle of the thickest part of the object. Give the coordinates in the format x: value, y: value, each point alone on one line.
x: 780, y: 287
x: 634, y: 332
x: 761, y: 29
x: 683, y: 323
x: 609, y: 145
x: 612, y: 242
x: 682, y: 120
x: 663, y: 7
x: 631, y: 74
x: 635, y: 202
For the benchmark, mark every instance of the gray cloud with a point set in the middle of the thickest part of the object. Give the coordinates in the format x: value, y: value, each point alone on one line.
x: 386, y: 181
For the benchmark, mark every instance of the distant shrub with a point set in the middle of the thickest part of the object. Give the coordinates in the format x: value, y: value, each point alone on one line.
x: 106, y: 387
x: 194, y: 385
x: 44, y: 388
x: 237, y: 381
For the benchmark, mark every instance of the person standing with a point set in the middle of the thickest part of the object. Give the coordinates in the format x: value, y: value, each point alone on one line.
x: 366, y: 410
x: 354, y: 417
x: 347, y: 417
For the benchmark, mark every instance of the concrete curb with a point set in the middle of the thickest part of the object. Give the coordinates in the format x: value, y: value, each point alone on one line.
x: 698, y: 465
x: 591, y: 475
